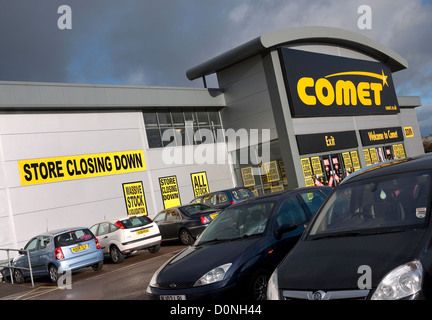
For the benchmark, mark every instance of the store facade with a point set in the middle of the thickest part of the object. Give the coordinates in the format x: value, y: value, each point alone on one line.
x: 294, y: 108
x: 328, y: 97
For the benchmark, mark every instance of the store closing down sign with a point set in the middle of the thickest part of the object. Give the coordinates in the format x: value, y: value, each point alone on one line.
x: 199, y: 183
x: 36, y: 171
x: 134, y: 198
x: 170, y: 192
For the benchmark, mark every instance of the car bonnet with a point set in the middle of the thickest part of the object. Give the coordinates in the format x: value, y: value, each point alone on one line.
x: 333, y: 263
x: 194, y: 261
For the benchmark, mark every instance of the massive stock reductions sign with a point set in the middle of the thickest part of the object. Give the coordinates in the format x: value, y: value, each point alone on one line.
x: 325, y: 85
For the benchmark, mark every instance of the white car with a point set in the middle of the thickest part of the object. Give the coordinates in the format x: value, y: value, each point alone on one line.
x: 122, y: 236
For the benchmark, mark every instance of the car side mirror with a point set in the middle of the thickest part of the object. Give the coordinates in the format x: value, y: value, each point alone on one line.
x: 21, y: 251
x: 286, y: 227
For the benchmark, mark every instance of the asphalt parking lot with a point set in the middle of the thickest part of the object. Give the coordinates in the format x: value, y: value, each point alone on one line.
x: 124, y: 281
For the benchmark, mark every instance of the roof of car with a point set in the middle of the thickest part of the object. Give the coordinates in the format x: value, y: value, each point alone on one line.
x: 416, y: 163
x: 276, y: 195
x: 62, y: 230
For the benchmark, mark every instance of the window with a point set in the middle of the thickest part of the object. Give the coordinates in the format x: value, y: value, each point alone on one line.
x: 172, y: 215
x: 160, y: 217
x: 103, y: 228
x: 181, y: 127
x: 31, y: 245
x: 313, y: 200
x: 44, y: 242
x: 400, y: 200
x: 291, y: 212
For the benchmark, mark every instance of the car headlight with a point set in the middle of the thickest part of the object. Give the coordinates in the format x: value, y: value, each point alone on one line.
x: 401, y: 282
x: 214, y: 275
x: 272, y: 287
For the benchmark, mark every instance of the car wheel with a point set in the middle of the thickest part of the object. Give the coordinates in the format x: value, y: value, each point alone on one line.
x: 258, y: 285
x: 53, y: 273
x: 116, y: 255
x: 98, y: 266
x: 186, y: 237
x: 154, y: 249
x: 18, y: 276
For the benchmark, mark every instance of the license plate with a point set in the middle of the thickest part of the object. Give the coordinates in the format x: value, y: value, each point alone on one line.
x: 142, y: 231
x: 172, y: 297
x: 214, y: 215
x: 79, y: 248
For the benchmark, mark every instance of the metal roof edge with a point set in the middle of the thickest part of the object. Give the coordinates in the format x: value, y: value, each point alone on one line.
x: 325, y: 35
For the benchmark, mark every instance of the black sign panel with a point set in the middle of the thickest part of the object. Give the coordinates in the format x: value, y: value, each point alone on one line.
x: 381, y: 136
x: 323, y: 85
x: 324, y: 142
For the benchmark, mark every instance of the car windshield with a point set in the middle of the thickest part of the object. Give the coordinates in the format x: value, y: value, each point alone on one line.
x: 381, y: 204
x: 241, y: 194
x: 238, y: 222
x: 72, y: 237
x: 135, y: 222
x: 195, y: 208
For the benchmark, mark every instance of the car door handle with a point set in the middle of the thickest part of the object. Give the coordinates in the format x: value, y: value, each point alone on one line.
x: 105, y: 237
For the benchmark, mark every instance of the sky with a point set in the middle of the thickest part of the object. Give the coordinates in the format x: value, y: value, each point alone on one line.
x: 154, y: 42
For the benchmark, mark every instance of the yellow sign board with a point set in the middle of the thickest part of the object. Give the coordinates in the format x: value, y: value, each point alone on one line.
x: 409, y: 133
x: 56, y: 169
x: 134, y: 198
x: 248, y: 177
x: 199, y: 183
x: 170, y: 192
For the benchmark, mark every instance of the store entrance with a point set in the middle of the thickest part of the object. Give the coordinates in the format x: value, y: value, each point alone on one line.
x: 334, y: 170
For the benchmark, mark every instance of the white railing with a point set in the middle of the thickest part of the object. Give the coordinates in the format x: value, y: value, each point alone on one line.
x: 21, y: 268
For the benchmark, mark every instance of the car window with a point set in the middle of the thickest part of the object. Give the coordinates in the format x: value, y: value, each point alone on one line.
x: 400, y: 200
x: 221, y: 198
x: 113, y: 228
x: 238, y: 222
x: 291, y: 212
x: 44, y: 242
x: 31, y: 245
x: 209, y: 199
x: 196, y: 208
x: 160, y: 217
x: 241, y: 194
x: 72, y: 237
x: 313, y: 200
x: 135, y: 222
x: 93, y: 229
x: 172, y: 215
x: 103, y: 228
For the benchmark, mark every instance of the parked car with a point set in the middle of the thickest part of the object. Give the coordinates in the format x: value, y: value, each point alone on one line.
x: 57, y: 251
x: 224, y: 198
x: 186, y: 222
x: 120, y: 237
x: 370, y: 240
x: 234, y: 257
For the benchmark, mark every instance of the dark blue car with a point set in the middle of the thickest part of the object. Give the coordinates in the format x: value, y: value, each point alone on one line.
x: 234, y: 257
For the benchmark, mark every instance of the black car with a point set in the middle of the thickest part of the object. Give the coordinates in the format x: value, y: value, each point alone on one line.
x: 371, y: 239
x: 186, y: 222
x: 224, y: 198
x: 234, y: 257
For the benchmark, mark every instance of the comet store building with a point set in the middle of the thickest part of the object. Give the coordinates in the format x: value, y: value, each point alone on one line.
x: 317, y: 104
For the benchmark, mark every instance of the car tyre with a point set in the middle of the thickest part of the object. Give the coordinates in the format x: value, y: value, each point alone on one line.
x: 53, y: 273
x: 154, y: 249
x: 186, y: 237
x: 18, y: 276
x: 258, y: 285
x: 116, y: 255
x: 98, y: 266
